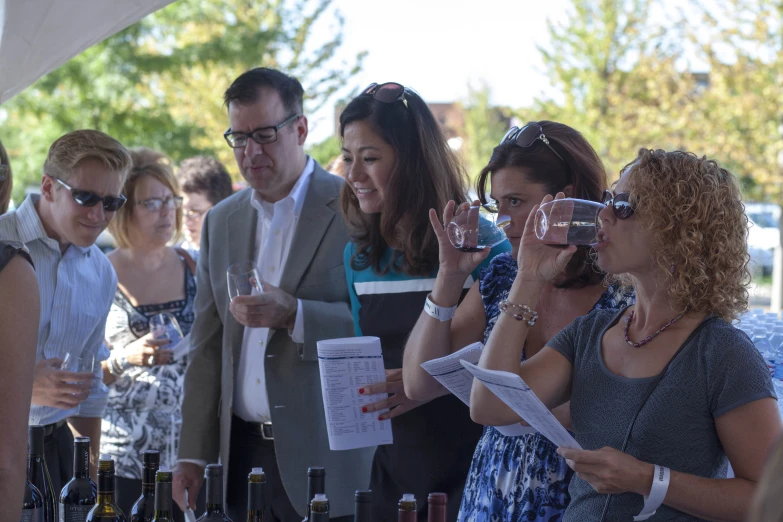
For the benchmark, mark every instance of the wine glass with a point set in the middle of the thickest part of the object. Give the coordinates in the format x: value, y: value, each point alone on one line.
x: 243, y: 279
x: 164, y: 326
x: 477, y: 228
x: 568, y: 221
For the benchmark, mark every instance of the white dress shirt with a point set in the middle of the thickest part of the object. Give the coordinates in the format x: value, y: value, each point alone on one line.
x: 274, y: 233
x: 77, y: 289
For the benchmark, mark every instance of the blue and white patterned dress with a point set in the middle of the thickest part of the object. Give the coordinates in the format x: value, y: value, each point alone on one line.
x: 515, y: 479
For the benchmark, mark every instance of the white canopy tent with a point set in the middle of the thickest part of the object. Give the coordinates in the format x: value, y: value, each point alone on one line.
x: 37, y: 36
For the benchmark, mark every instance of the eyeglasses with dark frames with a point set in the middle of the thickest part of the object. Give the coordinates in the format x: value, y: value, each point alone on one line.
x: 527, y: 136
x: 261, y: 135
x: 389, y: 92
x: 155, y: 204
x: 85, y: 198
x: 620, y: 204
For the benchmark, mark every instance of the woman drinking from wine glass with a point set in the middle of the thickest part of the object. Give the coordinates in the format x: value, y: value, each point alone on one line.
x: 664, y: 393
x: 514, y: 478
x: 144, y: 373
x: 397, y: 166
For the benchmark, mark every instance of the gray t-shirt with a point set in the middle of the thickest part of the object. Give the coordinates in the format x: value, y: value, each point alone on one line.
x: 717, y: 370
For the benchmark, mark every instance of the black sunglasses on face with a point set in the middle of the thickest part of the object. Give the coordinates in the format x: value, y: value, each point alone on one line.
x: 527, y: 136
x: 86, y: 198
x: 620, y: 204
x: 261, y: 135
x: 389, y: 92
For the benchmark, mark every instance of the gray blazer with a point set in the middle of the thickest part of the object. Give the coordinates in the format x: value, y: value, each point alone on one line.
x: 314, y: 273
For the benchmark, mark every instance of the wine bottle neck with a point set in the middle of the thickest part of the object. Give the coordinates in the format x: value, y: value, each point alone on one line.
x: 106, y: 497
x: 163, y: 497
x: 81, y: 461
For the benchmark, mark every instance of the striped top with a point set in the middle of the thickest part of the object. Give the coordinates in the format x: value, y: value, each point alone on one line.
x: 77, y: 289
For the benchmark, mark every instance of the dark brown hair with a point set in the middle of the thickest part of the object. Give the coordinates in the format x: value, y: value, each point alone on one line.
x: 245, y: 89
x: 205, y: 175
x: 426, y: 175
x: 580, y: 167
x: 5, y: 186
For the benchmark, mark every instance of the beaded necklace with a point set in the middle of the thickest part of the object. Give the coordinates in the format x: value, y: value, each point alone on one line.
x: 651, y: 336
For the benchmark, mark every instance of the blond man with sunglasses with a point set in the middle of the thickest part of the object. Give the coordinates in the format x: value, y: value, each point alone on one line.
x: 80, y: 193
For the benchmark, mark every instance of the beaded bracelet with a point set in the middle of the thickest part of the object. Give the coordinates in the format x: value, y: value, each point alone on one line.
x: 519, y: 312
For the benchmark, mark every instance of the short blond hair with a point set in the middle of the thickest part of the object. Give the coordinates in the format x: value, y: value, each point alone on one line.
x: 144, y: 162
x: 70, y: 150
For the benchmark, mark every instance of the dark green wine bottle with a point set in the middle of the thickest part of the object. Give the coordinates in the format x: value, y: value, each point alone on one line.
x: 213, y: 476
x: 316, y: 483
x: 363, y: 510
x: 38, y: 472
x: 144, y: 508
x: 105, y: 509
x: 79, y: 495
x: 163, y: 511
x: 319, y: 508
x: 255, y: 495
x: 32, y: 504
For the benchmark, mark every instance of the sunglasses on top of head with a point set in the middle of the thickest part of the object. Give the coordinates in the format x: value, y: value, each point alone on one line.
x: 85, y: 198
x: 527, y: 136
x: 389, y: 92
x: 620, y: 204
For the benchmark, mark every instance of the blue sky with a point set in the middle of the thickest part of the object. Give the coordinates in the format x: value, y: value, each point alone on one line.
x: 438, y: 46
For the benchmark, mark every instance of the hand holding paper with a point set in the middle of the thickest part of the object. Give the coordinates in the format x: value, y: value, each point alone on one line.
x: 512, y: 390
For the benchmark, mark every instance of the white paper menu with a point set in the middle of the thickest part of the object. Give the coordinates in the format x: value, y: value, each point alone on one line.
x: 512, y: 390
x: 347, y: 365
x: 458, y: 380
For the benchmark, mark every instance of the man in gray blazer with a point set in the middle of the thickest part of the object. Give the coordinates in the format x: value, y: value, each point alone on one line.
x: 252, y: 388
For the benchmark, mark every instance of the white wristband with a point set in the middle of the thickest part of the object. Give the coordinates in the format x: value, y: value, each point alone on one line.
x: 438, y: 312
x: 660, y: 485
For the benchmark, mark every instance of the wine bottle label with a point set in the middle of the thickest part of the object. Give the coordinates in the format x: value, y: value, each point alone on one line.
x: 32, y: 515
x: 72, y: 513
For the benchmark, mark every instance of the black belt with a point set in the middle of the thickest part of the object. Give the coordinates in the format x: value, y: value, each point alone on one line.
x: 262, y: 429
x: 49, y: 429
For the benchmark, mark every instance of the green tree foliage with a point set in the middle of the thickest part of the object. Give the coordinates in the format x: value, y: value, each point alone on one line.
x: 484, y: 127
x: 160, y: 82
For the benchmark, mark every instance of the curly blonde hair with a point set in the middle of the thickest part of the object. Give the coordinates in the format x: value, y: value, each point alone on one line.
x: 694, y: 209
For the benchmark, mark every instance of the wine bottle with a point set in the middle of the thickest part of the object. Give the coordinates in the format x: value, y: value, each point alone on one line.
x: 213, y: 475
x: 316, y: 483
x: 78, y: 496
x: 38, y: 472
x: 406, y: 508
x: 319, y: 508
x: 106, y: 510
x: 363, y: 509
x: 32, y: 505
x: 163, y: 511
x: 255, y: 495
x: 436, y: 507
x: 144, y: 508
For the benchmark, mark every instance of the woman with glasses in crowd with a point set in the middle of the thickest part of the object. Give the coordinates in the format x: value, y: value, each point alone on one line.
x: 205, y: 183
x: 145, y: 375
x: 397, y: 166
x: 664, y: 393
x: 514, y: 478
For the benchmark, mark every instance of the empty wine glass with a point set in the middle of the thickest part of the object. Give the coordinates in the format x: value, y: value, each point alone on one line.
x: 568, y: 221
x: 477, y: 228
x: 164, y: 326
x: 243, y: 279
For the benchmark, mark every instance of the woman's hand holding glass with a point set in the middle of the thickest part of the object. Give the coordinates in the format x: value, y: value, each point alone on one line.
x: 539, y: 262
x: 147, y: 351
x: 454, y: 262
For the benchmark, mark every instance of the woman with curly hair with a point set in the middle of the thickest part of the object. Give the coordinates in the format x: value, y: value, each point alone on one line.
x: 665, y: 393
